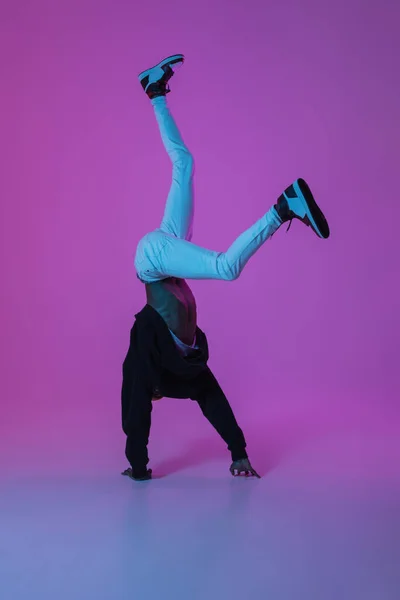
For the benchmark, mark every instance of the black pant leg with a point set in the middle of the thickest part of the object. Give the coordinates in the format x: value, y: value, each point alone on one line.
x: 216, y: 408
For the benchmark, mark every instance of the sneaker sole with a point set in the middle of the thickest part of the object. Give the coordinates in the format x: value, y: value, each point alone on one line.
x: 171, y: 60
x: 315, y: 215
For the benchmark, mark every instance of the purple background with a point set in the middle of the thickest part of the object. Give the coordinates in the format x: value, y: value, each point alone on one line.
x: 270, y: 91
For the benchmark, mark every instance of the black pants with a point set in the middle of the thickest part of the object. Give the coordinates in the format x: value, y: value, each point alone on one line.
x: 206, y: 391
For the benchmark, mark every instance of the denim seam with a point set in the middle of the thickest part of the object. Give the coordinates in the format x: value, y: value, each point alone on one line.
x: 161, y: 249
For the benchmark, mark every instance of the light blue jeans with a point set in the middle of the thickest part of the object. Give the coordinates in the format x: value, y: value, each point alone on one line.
x: 168, y: 251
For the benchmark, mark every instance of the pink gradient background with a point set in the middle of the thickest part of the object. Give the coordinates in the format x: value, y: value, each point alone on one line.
x: 309, y: 335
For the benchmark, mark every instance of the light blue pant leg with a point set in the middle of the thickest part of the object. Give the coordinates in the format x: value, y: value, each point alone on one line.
x: 185, y: 260
x: 167, y: 251
x: 164, y: 255
x: 179, y: 209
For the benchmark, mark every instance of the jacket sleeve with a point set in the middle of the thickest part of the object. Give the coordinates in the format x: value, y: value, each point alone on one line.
x: 137, y: 400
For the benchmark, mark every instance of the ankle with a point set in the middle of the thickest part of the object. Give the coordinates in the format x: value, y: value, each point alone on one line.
x: 282, y: 209
x: 157, y: 90
x: 158, y: 100
x: 275, y: 213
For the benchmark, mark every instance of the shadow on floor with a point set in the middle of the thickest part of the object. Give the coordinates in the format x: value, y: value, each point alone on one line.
x: 267, y: 449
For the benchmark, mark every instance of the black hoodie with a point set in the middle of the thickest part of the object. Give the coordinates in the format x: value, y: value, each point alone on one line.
x: 152, y: 355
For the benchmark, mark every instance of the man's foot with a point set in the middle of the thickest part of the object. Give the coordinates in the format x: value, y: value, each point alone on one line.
x: 297, y: 202
x: 154, y: 81
x: 243, y: 466
x: 145, y: 476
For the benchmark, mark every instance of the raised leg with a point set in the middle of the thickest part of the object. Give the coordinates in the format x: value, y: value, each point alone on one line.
x: 160, y: 255
x: 167, y: 251
x: 179, y: 209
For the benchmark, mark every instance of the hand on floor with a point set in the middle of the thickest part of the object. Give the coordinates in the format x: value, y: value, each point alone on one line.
x: 243, y: 466
x: 144, y: 477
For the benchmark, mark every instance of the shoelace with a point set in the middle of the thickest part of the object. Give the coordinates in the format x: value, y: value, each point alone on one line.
x: 290, y: 224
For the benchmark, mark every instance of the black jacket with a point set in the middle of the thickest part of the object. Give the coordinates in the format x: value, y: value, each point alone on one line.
x: 152, y: 356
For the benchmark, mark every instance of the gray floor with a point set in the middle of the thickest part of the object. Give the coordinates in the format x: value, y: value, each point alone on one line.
x: 323, y: 524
